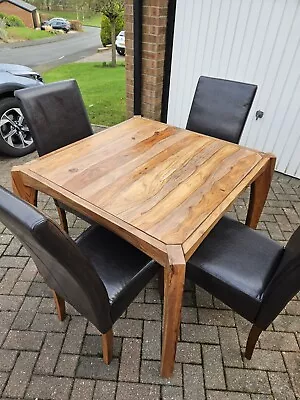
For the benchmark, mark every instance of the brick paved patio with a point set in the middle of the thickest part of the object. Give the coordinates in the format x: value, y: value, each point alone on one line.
x: 42, y: 358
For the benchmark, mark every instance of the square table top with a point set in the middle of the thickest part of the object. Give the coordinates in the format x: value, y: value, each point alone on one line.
x: 157, y: 185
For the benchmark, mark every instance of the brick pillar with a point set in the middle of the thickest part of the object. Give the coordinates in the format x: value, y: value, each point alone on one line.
x: 153, y: 54
x: 129, y: 56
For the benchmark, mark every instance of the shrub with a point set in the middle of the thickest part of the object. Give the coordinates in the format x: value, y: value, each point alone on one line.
x: 76, y: 25
x: 49, y: 28
x: 13, y: 20
x: 106, y: 31
x: 3, y: 33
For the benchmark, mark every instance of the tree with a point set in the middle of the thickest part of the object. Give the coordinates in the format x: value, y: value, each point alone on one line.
x: 112, y: 9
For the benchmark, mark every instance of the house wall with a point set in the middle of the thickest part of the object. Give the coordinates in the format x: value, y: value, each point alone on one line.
x: 255, y: 41
x: 153, y: 53
x: 12, y: 9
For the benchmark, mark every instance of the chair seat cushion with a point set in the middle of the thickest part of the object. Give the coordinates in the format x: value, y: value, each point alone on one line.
x: 123, y: 269
x: 235, y: 264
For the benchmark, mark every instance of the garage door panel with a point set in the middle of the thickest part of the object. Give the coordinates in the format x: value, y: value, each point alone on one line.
x: 220, y: 38
x: 264, y: 74
x: 229, y: 38
x: 238, y: 41
x: 193, y: 45
x: 253, y: 41
x: 214, y: 7
x: 258, y: 41
x: 250, y: 31
x: 283, y: 108
x: 277, y: 85
x: 292, y: 167
x: 291, y: 124
x: 176, y: 64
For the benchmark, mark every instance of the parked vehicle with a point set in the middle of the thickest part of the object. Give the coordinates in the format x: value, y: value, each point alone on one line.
x: 57, y: 23
x: 15, y: 138
x: 120, y: 43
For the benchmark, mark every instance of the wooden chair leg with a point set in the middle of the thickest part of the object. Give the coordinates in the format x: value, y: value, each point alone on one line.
x: 63, y: 219
x: 60, y: 306
x: 251, y: 342
x: 161, y: 283
x: 107, y: 346
x: 35, y: 199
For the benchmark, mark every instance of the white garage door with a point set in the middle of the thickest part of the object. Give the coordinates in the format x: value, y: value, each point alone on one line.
x: 255, y: 41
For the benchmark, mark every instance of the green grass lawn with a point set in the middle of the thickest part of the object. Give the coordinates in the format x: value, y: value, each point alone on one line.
x: 23, y: 33
x: 102, y: 88
x: 90, y: 20
x: 93, y: 20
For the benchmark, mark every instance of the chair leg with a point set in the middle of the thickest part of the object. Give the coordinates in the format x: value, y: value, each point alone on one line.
x: 35, y: 198
x: 107, y: 346
x: 161, y: 283
x: 63, y: 219
x: 251, y: 342
x: 60, y: 306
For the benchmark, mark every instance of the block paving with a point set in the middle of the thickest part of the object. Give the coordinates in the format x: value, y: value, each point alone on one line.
x: 42, y: 358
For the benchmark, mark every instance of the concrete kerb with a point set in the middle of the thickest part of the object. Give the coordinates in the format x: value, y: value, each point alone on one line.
x: 107, y: 47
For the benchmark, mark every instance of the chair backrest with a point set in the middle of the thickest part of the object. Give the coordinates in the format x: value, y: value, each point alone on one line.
x: 220, y: 108
x: 55, y: 114
x: 285, y: 283
x: 58, y: 259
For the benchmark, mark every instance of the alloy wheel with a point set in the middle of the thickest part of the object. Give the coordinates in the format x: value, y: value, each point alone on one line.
x: 14, y: 130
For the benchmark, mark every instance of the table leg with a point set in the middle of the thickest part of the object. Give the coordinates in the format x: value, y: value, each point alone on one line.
x: 24, y: 192
x: 259, y: 193
x: 174, y: 277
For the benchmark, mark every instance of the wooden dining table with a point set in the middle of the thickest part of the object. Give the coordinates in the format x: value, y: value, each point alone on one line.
x: 159, y: 187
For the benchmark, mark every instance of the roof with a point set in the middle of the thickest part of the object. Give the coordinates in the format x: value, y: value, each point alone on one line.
x: 21, y: 4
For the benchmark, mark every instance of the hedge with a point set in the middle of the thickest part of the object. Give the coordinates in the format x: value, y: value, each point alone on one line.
x: 76, y: 25
x: 105, y: 33
x: 11, y: 20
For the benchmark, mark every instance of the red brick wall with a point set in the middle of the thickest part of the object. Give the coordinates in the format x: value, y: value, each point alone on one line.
x: 11, y: 9
x: 153, y: 54
x: 129, y: 55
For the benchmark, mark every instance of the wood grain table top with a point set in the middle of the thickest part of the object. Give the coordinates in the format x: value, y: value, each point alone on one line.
x: 162, y: 185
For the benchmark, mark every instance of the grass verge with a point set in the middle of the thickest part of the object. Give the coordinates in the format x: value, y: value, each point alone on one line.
x: 90, y: 20
x: 23, y: 33
x: 102, y: 89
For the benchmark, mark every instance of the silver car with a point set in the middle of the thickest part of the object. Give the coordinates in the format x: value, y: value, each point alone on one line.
x: 15, y: 137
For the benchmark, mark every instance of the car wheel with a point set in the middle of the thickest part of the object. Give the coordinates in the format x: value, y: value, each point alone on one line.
x: 15, y: 138
x: 121, y: 51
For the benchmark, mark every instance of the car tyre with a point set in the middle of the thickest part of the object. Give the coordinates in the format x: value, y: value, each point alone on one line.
x: 121, y: 52
x: 15, y: 138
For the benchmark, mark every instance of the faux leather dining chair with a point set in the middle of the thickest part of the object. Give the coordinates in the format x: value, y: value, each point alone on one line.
x: 220, y: 108
x: 252, y: 274
x: 56, y: 117
x: 99, y: 274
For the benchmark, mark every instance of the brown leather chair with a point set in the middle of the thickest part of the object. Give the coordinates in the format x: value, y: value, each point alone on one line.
x: 252, y: 274
x: 220, y: 108
x: 56, y: 117
x: 99, y: 274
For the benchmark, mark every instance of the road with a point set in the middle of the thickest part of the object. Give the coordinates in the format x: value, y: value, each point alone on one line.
x: 48, y: 55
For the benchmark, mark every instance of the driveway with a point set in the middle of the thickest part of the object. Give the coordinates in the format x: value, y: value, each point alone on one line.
x: 42, y: 358
x: 48, y: 55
